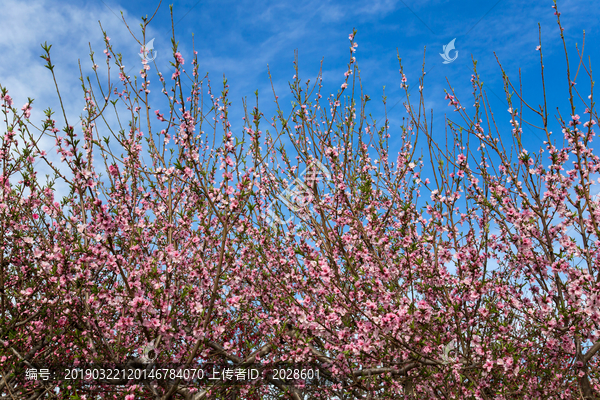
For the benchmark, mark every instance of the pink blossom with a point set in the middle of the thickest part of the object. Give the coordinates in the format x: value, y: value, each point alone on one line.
x: 8, y: 100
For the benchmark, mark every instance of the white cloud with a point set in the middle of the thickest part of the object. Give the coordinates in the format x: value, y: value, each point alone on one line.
x: 70, y: 29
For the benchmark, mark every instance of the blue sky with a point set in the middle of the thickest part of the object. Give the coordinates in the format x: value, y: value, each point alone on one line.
x: 239, y: 39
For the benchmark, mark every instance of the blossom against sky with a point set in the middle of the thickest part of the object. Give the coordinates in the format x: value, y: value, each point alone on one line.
x: 244, y: 40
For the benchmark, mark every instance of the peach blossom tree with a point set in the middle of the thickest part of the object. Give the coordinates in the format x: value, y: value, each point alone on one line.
x: 306, y: 244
